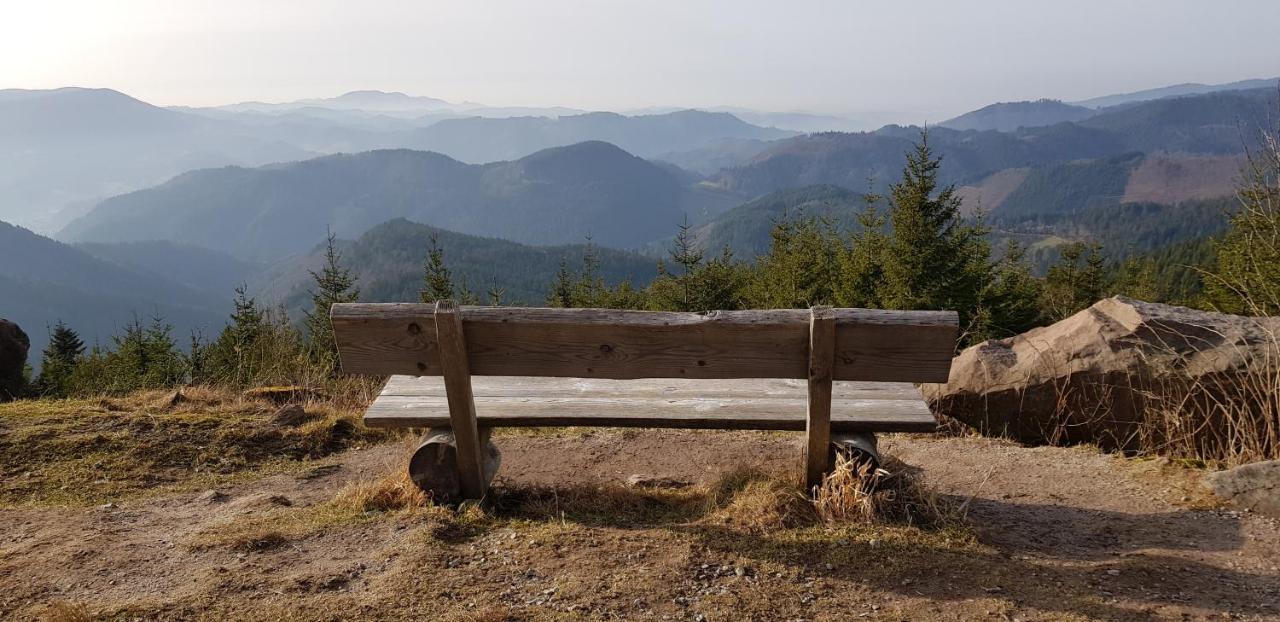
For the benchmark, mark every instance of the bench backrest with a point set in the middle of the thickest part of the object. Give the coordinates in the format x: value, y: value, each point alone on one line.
x: 870, y: 345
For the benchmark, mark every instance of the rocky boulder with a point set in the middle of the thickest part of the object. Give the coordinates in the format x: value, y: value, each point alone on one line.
x: 1101, y: 374
x: 14, y: 345
x: 1255, y: 487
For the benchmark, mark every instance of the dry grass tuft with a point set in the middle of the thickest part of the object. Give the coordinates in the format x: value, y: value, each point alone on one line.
x: 857, y: 492
x: 394, y: 492
x: 66, y: 611
x: 757, y: 501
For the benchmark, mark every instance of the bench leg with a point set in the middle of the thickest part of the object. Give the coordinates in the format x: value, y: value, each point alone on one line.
x: 822, y: 352
x: 462, y: 405
x: 434, y: 465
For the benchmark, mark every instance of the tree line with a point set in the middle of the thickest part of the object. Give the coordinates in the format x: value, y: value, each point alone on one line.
x: 913, y: 249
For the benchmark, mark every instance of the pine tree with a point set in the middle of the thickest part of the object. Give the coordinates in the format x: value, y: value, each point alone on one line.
x: 862, y: 266
x: 802, y: 267
x: 334, y: 284
x: 58, y: 362
x: 437, y: 280
x: 561, y: 294
x: 1011, y: 302
x: 1075, y: 282
x: 495, y: 293
x: 702, y: 285
x: 933, y: 258
x: 1247, y: 277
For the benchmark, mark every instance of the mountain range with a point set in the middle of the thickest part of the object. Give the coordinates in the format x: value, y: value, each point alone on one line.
x: 555, y: 196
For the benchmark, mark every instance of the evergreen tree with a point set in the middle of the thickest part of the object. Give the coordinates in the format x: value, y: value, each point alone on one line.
x: 561, y: 294
x: 1137, y: 277
x: 1247, y: 277
x: 495, y: 293
x: 1075, y: 282
x: 437, y: 281
x: 802, y: 268
x: 334, y: 284
x: 58, y: 362
x: 702, y: 284
x: 862, y: 266
x: 1011, y: 302
x: 933, y: 258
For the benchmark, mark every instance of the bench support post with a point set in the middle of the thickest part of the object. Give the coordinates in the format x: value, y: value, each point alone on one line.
x: 822, y: 346
x: 462, y: 405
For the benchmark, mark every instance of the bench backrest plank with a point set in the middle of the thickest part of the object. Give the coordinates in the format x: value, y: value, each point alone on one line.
x: 870, y: 345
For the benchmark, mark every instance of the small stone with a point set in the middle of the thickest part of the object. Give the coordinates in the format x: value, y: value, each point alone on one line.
x: 830, y: 567
x: 213, y: 496
x: 1113, y: 572
x: 107, y: 506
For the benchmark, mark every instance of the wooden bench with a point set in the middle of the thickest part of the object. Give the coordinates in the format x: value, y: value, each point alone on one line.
x: 460, y: 371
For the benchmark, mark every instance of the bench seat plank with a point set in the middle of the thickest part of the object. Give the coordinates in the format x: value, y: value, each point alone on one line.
x: 748, y: 404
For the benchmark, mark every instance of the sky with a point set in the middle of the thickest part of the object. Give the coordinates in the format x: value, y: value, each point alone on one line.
x: 926, y: 59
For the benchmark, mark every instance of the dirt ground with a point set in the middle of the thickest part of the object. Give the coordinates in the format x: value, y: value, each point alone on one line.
x: 1054, y: 534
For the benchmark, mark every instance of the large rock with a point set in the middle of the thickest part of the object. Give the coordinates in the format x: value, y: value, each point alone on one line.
x: 1097, y: 375
x: 13, y: 358
x: 1255, y: 487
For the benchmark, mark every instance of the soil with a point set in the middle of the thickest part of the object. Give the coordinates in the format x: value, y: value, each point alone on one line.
x: 1054, y: 534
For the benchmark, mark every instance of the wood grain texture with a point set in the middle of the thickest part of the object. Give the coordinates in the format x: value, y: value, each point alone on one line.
x: 459, y: 399
x: 870, y: 345
x: 822, y: 340
x: 727, y: 404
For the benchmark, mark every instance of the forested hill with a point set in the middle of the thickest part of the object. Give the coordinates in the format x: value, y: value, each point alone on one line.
x: 746, y: 229
x: 555, y: 196
x: 1122, y: 140
x: 389, y: 262
x: 1009, y: 116
x: 43, y: 281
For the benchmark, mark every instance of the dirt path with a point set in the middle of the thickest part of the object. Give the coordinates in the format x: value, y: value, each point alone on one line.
x: 1062, y: 534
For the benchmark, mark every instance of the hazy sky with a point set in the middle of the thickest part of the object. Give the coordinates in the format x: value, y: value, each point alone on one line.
x: 930, y: 58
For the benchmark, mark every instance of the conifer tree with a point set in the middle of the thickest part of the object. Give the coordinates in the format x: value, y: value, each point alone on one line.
x: 933, y: 258
x: 495, y: 293
x: 1011, y: 302
x: 802, y: 267
x: 1075, y: 282
x: 334, y: 284
x: 561, y: 294
x: 862, y: 266
x: 1247, y: 277
x: 437, y: 279
x: 59, y: 360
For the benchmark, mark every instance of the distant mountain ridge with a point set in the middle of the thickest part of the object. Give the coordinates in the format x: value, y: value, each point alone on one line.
x: 479, y: 140
x: 1193, y: 128
x: 554, y: 196
x: 1007, y: 117
x: 1176, y: 90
